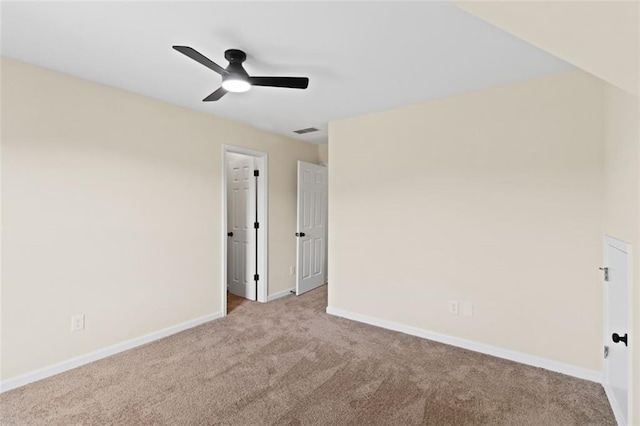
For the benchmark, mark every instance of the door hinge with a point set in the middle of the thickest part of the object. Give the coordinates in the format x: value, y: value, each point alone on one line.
x: 256, y: 225
x: 256, y: 277
x: 606, y: 273
x: 606, y: 352
x: 256, y: 173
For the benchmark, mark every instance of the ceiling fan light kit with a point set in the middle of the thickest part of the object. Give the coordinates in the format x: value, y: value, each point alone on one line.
x: 236, y: 85
x: 235, y: 78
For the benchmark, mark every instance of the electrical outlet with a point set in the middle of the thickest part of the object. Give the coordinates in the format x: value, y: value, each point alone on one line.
x: 77, y: 322
x: 292, y: 270
x: 467, y: 309
x: 453, y: 307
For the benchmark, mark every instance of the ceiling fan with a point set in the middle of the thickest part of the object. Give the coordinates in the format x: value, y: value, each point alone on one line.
x: 235, y: 78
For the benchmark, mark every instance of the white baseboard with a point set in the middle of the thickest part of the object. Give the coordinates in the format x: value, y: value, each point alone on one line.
x: 617, y: 412
x: 559, y: 367
x: 280, y: 294
x: 72, y: 363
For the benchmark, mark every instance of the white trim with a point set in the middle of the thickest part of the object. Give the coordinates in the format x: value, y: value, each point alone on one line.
x: 263, y: 218
x: 81, y: 360
x: 547, y: 364
x: 282, y: 294
x: 617, y: 412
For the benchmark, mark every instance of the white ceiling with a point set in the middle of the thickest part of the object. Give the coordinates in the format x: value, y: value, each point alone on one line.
x: 361, y: 57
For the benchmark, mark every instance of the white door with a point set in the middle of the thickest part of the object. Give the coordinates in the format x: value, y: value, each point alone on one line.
x: 312, y: 227
x: 616, y: 327
x: 241, y: 236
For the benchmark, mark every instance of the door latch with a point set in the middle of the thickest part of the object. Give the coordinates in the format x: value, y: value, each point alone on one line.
x: 229, y: 234
x: 606, y: 352
x: 300, y: 234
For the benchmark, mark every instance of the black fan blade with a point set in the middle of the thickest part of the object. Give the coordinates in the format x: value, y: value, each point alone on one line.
x: 199, y: 57
x: 215, y: 95
x: 290, y: 82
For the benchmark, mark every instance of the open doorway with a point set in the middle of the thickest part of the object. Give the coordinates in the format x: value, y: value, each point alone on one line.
x: 244, y: 226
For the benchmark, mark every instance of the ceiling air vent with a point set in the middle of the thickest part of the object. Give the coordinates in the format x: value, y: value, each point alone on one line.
x: 307, y: 130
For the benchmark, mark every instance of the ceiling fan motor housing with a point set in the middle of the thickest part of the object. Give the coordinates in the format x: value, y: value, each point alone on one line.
x: 235, y: 55
x: 235, y: 70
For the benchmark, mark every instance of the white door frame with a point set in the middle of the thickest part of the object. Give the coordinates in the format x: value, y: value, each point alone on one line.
x: 263, y: 209
x: 625, y: 247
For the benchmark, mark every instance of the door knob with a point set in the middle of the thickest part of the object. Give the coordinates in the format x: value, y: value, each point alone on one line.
x: 616, y: 338
x: 229, y: 234
x: 300, y: 234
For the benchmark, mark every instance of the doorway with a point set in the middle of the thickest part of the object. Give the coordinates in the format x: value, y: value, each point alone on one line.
x: 617, y: 359
x: 244, y: 226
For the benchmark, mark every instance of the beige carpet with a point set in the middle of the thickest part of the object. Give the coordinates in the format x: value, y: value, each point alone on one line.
x: 289, y: 363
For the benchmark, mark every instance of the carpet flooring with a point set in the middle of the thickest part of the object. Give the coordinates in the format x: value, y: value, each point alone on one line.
x: 289, y: 363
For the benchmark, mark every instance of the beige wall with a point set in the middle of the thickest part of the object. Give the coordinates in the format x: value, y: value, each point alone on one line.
x: 492, y: 197
x: 600, y: 37
x: 323, y: 153
x: 621, y: 187
x: 112, y: 208
x: 603, y: 38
